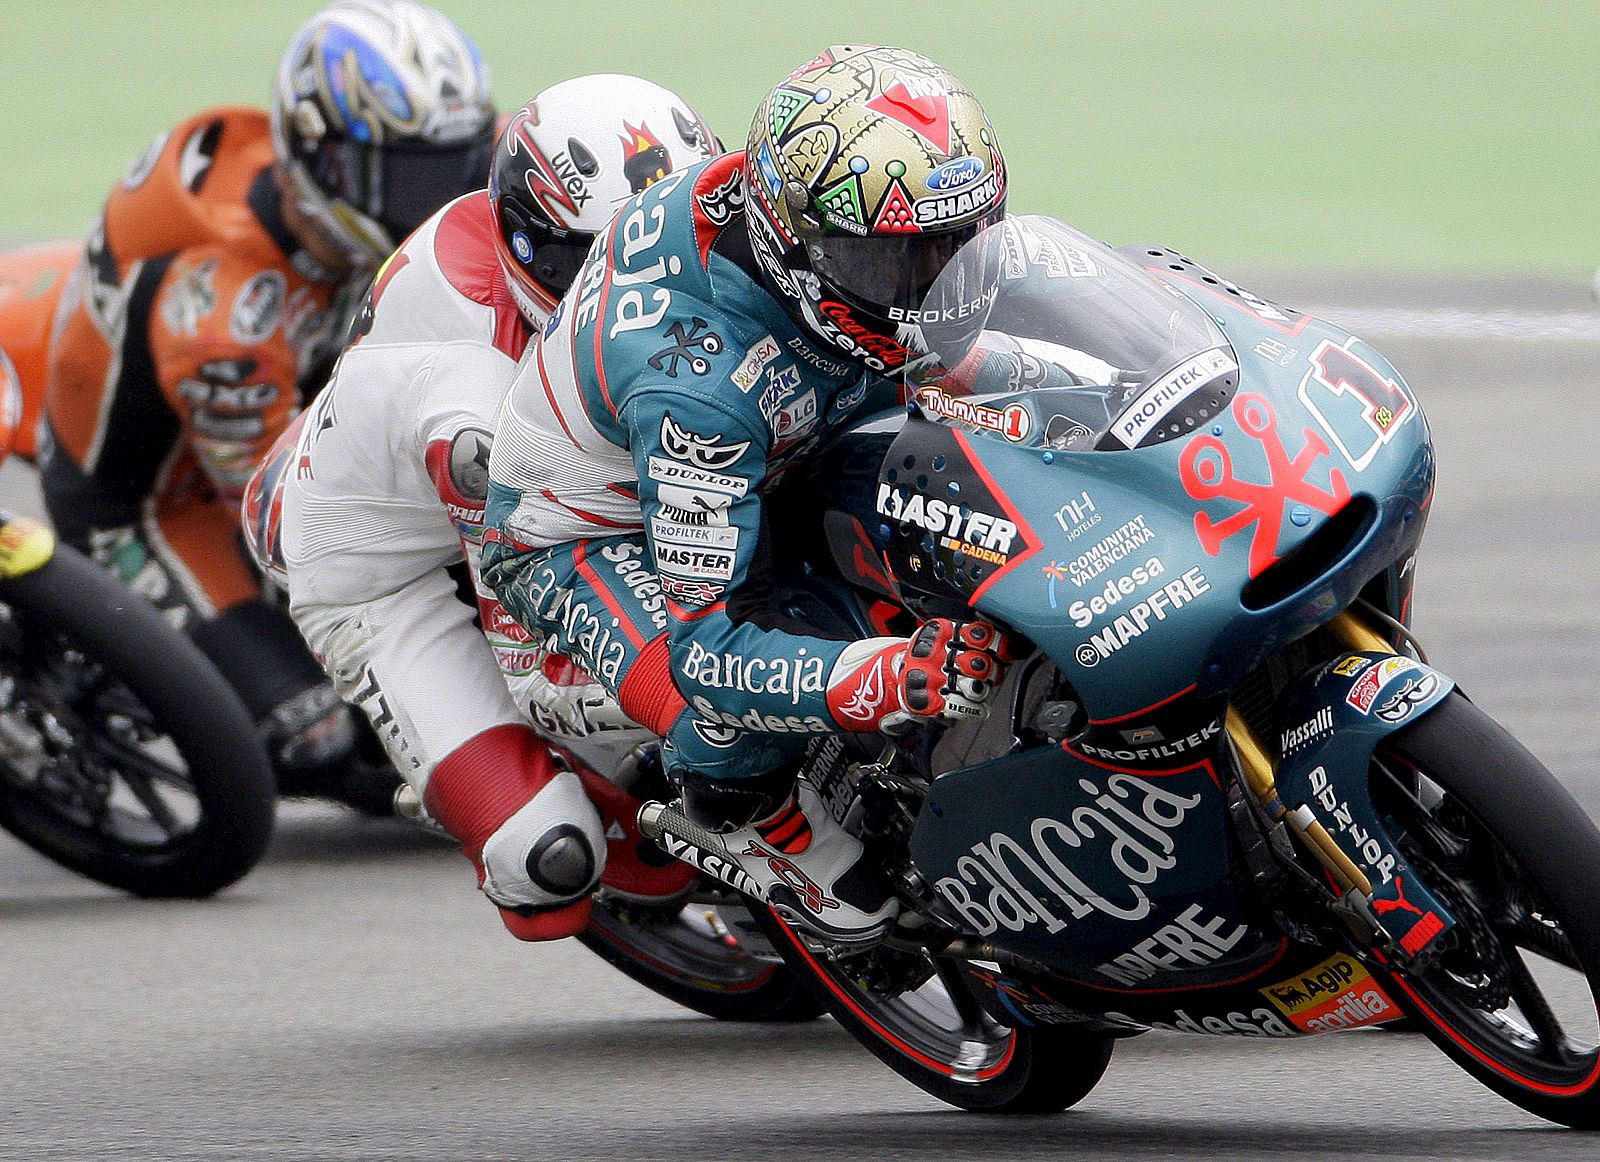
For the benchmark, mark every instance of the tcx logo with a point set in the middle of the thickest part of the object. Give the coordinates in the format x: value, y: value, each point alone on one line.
x: 227, y: 395
x: 811, y: 894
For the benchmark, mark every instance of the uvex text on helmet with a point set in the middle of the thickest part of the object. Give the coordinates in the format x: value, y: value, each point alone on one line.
x: 381, y: 115
x: 867, y: 170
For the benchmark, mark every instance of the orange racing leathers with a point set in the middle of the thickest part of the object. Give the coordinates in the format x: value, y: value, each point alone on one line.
x: 176, y: 359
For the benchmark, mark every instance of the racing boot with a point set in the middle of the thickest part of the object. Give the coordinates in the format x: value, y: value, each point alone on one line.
x: 772, y: 837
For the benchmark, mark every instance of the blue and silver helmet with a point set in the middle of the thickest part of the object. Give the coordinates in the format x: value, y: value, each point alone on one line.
x: 381, y: 115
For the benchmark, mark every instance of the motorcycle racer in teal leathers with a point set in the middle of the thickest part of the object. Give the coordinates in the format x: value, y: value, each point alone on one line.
x: 732, y: 317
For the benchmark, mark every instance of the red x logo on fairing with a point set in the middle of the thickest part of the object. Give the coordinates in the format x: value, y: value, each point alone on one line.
x: 1207, y: 474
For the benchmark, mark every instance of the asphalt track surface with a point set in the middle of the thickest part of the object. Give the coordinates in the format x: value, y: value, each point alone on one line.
x: 355, y: 999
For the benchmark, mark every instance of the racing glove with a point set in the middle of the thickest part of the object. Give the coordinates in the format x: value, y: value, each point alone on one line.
x: 944, y: 672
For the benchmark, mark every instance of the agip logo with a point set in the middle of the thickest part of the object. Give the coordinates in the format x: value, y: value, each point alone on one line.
x: 1336, y: 994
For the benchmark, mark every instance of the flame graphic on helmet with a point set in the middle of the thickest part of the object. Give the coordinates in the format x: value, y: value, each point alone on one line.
x: 543, y: 183
x: 644, y: 158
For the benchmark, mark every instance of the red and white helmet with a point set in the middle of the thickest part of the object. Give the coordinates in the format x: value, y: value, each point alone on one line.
x: 567, y: 160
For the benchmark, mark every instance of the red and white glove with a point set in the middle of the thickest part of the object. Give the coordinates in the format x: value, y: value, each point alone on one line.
x: 943, y: 672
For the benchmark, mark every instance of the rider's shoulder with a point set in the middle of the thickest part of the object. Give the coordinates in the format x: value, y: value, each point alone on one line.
x: 192, y: 185
x: 716, y: 201
x: 457, y: 243
x: 445, y: 285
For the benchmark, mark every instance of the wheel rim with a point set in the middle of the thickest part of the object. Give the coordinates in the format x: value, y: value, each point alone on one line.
x: 80, y: 753
x: 1512, y: 992
x: 704, y: 944
x: 938, y: 1024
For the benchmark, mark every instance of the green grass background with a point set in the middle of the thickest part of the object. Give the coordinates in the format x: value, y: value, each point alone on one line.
x: 1436, y: 136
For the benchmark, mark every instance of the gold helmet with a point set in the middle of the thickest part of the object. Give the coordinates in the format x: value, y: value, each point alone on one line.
x: 867, y: 170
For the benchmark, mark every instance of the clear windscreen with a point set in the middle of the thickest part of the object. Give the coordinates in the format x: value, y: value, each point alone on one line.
x: 1078, y: 348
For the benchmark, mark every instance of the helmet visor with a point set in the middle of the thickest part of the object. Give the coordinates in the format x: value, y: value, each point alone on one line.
x: 547, y: 254
x: 398, y: 186
x: 891, y: 274
x: 414, y: 182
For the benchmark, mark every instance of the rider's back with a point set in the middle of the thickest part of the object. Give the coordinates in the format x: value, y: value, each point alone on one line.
x: 187, y: 317
x: 387, y: 483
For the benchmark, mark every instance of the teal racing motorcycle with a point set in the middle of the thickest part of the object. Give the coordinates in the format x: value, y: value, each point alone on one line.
x: 1224, y: 793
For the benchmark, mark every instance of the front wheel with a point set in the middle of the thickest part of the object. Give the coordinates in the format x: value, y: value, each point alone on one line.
x: 124, y: 754
x: 919, y: 1016
x: 1512, y: 997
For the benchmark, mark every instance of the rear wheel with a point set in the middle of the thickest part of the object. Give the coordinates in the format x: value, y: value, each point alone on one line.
x: 919, y: 1016
x: 124, y: 754
x: 706, y: 955
x: 1512, y: 997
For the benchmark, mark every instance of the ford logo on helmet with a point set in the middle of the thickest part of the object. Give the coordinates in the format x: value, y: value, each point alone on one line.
x: 955, y: 173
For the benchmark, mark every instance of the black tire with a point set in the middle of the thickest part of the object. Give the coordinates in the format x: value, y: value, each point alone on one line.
x: 1010, y: 1071
x: 719, y: 975
x: 1514, y: 855
x: 151, y: 778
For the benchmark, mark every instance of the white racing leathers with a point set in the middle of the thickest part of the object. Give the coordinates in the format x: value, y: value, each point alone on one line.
x: 381, y: 489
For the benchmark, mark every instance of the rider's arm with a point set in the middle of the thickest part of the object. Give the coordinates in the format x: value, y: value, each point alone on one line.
x: 699, y: 467
x: 734, y: 658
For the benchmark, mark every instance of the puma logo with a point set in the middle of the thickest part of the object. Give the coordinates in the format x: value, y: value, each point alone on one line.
x: 1399, y: 903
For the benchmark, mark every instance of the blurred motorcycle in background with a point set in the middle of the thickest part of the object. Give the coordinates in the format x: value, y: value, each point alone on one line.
x: 124, y: 755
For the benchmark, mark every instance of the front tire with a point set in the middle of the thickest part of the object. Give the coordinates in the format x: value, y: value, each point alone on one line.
x: 124, y: 754
x: 1508, y: 849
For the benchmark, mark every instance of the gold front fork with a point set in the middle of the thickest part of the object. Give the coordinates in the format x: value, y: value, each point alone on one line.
x: 1258, y: 772
x: 1354, y: 636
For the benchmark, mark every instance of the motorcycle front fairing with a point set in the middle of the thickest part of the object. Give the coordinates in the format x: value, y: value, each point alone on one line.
x: 1159, y: 516
x: 1249, y: 479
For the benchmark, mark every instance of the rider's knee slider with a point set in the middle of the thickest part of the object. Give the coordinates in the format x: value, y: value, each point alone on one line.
x: 530, y: 830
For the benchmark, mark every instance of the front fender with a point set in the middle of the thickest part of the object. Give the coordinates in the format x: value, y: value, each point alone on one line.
x: 1334, y: 718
